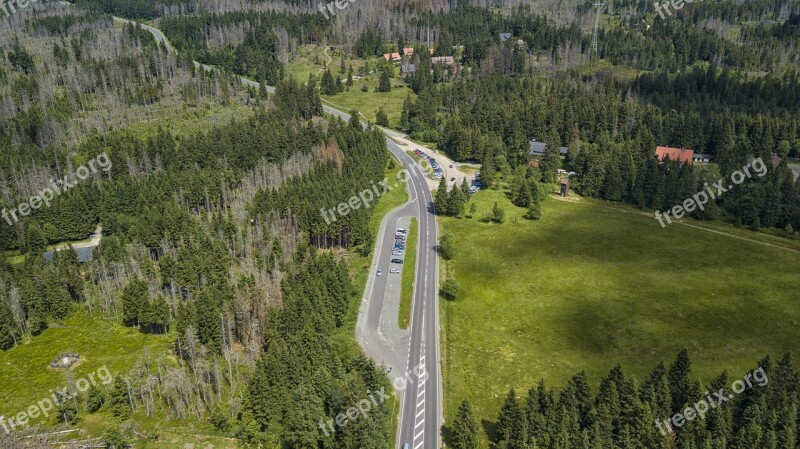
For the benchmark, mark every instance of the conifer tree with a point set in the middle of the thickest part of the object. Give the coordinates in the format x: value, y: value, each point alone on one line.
x: 498, y: 213
x: 441, y: 199
x: 381, y: 119
x: 534, y: 206
x: 119, y: 402
x: 678, y: 377
x: 511, y: 425
x: 384, y: 84
x: 465, y: 428
x: 8, y: 329
x: 134, y: 302
x: 94, y: 399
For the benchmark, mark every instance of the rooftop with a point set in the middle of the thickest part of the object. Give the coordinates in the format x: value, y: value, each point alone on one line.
x: 675, y: 154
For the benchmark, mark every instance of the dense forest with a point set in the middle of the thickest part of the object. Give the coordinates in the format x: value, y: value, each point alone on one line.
x: 212, y: 236
x: 177, y: 215
x: 733, y: 411
x: 612, y: 138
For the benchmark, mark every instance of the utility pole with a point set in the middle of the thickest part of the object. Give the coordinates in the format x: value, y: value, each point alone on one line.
x: 598, y: 7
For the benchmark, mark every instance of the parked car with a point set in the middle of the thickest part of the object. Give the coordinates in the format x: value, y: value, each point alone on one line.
x: 453, y: 179
x: 451, y: 165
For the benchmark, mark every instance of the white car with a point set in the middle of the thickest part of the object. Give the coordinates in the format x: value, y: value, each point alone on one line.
x: 380, y: 272
x: 394, y: 271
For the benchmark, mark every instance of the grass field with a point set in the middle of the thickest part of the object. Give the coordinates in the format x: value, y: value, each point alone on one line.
x: 25, y: 370
x: 310, y: 60
x: 368, y: 102
x: 589, y: 286
x: 409, y: 264
x: 313, y: 59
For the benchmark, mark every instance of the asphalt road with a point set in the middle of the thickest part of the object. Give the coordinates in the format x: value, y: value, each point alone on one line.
x: 415, y: 358
x: 421, y: 407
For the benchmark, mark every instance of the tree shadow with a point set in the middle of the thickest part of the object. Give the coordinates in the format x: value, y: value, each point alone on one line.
x: 490, y: 427
x: 447, y: 436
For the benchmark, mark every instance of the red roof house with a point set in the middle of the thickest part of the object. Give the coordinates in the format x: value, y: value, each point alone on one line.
x: 674, y: 154
x: 394, y: 57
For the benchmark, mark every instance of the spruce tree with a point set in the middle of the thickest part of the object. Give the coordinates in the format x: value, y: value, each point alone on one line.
x: 465, y: 428
x: 384, y: 84
x: 456, y: 201
x: 465, y: 187
x: 94, y: 399
x: 67, y: 411
x: 328, y: 85
x: 441, y: 199
x: 511, y: 422
x: 134, y: 301
x: 678, y: 377
x: 8, y: 329
x: 498, y: 213
x: 119, y: 402
x: 534, y: 207
x: 381, y: 119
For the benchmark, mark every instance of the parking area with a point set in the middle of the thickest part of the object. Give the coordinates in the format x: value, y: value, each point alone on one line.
x: 445, y: 168
x: 399, y: 250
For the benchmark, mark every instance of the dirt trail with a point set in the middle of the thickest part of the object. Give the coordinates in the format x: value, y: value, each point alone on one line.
x: 330, y: 60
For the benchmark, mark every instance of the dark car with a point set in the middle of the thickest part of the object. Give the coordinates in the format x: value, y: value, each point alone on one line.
x: 400, y: 261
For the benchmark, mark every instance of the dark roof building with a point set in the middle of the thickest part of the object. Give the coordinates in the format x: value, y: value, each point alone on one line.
x: 407, y: 69
x: 700, y: 157
x: 538, y: 149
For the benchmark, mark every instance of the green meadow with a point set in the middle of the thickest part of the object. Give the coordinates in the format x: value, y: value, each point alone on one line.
x: 590, y: 286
